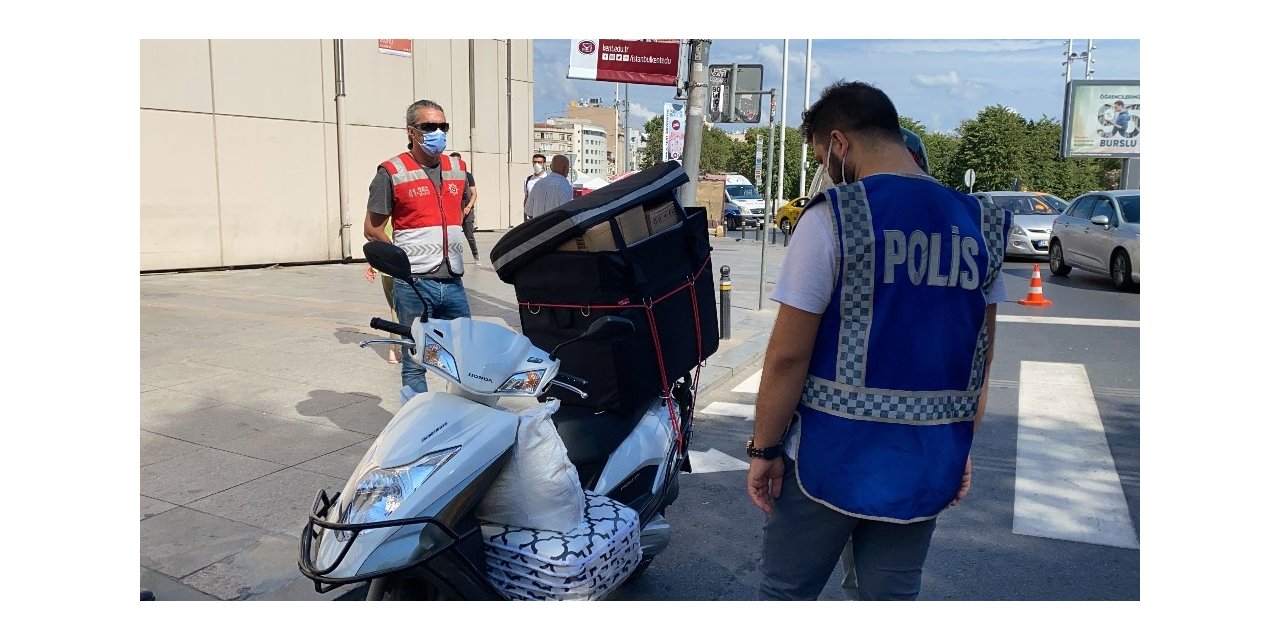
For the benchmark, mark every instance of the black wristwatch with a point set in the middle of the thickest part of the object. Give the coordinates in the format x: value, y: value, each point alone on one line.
x: 767, y: 453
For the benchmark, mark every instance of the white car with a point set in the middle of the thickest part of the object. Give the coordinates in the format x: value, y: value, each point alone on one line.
x: 1099, y: 233
x: 1032, y: 221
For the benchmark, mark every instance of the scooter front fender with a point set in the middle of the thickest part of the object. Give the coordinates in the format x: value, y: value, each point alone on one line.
x: 428, y: 423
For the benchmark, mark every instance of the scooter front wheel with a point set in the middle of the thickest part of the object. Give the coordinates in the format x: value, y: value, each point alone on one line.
x: 400, y: 587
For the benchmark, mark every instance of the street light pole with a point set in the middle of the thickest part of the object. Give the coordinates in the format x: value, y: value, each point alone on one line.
x: 804, y: 145
x: 694, y: 115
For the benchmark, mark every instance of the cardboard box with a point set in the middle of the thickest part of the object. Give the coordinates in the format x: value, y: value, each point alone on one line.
x: 662, y: 217
x: 634, y: 225
x: 597, y: 238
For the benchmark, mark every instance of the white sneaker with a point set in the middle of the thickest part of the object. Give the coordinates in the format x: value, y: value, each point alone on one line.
x: 477, y: 262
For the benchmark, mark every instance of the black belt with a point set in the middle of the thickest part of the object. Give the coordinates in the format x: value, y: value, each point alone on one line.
x: 417, y: 276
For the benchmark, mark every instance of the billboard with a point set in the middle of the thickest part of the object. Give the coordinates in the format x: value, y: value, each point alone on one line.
x: 673, y: 132
x: 1102, y: 119
x: 631, y: 61
x: 750, y: 78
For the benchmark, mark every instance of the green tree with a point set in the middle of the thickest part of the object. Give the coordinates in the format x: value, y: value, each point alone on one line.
x: 914, y: 126
x: 941, y: 149
x: 651, y: 152
x: 995, y: 145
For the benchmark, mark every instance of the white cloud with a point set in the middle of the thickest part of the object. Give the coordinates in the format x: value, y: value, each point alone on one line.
x: 951, y: 79
x: 772, y: 55
x: 640, y: 114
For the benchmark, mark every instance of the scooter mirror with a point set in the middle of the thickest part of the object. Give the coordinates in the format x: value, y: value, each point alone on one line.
x: 608, y: 328
x: 389, y: 259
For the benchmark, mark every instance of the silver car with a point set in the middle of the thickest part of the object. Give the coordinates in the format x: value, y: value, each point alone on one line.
x: 1099, y: 233
x: 1032, y: 220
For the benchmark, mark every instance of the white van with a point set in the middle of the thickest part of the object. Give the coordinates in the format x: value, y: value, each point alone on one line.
x: 743, y: 205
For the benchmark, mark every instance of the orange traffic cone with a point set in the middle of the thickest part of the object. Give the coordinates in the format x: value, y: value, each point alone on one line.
x: 1035, y: 296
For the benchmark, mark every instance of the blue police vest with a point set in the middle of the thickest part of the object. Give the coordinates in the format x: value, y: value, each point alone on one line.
x: 886, y: 417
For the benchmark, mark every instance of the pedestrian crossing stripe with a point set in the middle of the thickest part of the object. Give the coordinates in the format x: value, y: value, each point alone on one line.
x: 1066, y: 486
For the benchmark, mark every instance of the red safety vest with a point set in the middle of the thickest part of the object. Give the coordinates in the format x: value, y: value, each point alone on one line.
x: 426, y: 221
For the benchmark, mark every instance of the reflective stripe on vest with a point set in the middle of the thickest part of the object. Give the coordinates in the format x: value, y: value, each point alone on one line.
x: 425, y: 219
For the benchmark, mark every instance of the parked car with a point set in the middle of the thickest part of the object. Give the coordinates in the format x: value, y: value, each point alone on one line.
x: 789, y: 213
x: 1099, y: 233
x: 1033, y: 218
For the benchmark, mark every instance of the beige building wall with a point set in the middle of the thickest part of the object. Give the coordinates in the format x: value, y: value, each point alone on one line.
x: 239, y: 153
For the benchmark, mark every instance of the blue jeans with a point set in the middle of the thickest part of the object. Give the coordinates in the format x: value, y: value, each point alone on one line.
x: 446, y: 300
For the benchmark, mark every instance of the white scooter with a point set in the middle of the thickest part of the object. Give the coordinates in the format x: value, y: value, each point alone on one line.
x: 405, y: 520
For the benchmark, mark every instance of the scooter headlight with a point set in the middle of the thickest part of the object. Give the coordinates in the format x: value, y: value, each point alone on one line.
x: 434, y: 355
x: 381, y: 491
x: 526, y: 382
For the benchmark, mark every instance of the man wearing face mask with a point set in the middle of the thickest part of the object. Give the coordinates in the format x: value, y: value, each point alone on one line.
x: 539, y: 172
x: 876, y: 373
x: 421, y: 190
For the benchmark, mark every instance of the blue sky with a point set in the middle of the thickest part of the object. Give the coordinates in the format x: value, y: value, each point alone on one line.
x: 938, y: 82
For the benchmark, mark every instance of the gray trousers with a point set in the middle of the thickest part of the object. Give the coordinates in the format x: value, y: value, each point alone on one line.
x: 803, y: 541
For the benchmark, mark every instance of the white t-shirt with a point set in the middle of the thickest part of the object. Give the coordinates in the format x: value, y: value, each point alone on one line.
x: 550, y: 192
x: 807, y: 279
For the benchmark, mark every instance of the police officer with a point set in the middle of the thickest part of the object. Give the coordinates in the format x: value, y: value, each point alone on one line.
x: 874, y: 380
x: 421, y: 190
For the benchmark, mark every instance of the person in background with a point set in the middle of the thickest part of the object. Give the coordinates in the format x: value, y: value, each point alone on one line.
x: 421, y: 190
x: 539, y: 172
x: 550, y: 192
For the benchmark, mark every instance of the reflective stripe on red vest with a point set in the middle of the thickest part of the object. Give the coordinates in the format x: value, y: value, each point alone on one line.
x: 425, y: 220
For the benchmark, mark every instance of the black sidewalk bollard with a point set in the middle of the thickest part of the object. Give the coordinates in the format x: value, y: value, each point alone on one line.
x: 773, y: 235
x: 726, y: 291
x: 786, y: 238
x: 742, y: 231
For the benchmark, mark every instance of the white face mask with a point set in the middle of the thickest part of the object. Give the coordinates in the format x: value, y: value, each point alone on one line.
x: 537, y: 167
x: 830, y: 146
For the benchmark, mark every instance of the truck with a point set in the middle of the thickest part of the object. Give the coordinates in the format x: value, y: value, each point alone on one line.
x: 743, y: 204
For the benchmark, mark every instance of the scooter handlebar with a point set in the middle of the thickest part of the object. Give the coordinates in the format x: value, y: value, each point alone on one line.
x: 571, y: 379
x: 391, y: 327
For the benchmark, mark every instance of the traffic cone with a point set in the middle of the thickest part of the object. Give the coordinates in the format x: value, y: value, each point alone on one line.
x: 1035, y: 295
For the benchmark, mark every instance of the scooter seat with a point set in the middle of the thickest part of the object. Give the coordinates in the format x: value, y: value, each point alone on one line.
x: 590, y: 436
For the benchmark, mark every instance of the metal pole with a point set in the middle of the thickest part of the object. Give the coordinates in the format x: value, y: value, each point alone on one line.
x: 804, y: 146
x: 1088, y: 61
x: 782, y: 130
x: 340, y: 116
x: 698, y: 77
x: 726, y: 294
x: 626, y: 117
x: 1070, y: 44
x: 768, y: 190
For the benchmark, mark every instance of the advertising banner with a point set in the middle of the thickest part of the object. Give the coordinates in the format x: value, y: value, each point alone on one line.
x: 673, y: 132
x: 631, y: 61
x: 1102, y: 119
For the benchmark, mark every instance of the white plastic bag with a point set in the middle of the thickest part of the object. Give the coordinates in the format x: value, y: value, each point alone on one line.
x: 539, y: 488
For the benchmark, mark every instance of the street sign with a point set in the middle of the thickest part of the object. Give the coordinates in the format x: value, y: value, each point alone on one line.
x: 750, y: 78
x: 969, y: 177
x: 632, y: 61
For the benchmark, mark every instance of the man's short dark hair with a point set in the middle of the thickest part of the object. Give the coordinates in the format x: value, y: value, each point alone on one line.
x: 455, y: 154
x: 855, y: 107
x: 539, y: 155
